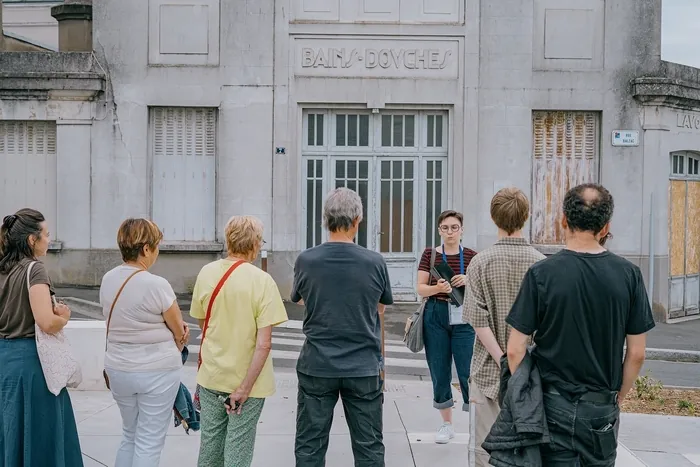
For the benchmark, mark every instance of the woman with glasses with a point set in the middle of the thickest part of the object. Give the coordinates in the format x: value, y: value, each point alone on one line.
x: 445, y: 333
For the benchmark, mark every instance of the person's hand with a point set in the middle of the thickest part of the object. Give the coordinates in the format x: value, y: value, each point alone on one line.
x: 443, y: 286
x: 62, y: 310
x: 186, y: 337
x: 240, y: 395
x: 459, y: 280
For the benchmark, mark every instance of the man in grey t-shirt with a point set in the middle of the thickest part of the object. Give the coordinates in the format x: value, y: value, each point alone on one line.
x: 344, y: 288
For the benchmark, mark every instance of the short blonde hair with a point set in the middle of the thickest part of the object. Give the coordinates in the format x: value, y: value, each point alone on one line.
x: 510, y: 209
x: 243, y: 235
x: 134, y: 234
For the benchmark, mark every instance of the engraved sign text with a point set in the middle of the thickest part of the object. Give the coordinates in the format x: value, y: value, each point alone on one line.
x: 377, y: 58
x: 688, y: 121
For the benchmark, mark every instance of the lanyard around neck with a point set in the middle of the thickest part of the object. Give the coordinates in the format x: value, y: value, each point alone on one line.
x: 461, y: 258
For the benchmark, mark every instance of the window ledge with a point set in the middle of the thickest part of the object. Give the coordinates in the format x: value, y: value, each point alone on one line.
x: 549, y: 249
x: 55, y: 246
x: 193, y: 247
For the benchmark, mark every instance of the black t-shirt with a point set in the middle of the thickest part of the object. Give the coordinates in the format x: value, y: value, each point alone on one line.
x: 342, y: 285
x: 581, y: 307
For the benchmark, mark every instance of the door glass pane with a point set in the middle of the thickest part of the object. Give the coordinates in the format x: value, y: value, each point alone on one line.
x: 352, y: 130
x: 409, y: 140
x: 408, y: 207
x: 433, y: 188
x: 340, y: 130
x: 347, y: 175
x: 396, y: 206
x: 364, y: 130
x: 314, y: 133
x: 311, y: 137
x: 398, y: 130
x: 386, y: 130
x: 431, y: 130
x: 438, y: 131
x: 314, y: 201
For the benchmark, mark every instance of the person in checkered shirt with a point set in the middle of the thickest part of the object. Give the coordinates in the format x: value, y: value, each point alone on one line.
x: 493, y: 281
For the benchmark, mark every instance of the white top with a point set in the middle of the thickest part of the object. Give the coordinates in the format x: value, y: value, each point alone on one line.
x: 139, y: 339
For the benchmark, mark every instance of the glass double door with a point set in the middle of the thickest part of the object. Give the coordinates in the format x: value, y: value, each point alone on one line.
x: 388, y: 192
x: 396, y: 162
x: 401, y: 197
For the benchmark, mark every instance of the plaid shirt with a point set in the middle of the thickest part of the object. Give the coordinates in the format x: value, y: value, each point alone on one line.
x: 493, y: 282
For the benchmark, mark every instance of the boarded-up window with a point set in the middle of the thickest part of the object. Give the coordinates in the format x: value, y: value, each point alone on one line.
x: 28, y: 168
x: 183, y: 150
x: 565, y: 151
x: 684, y: 235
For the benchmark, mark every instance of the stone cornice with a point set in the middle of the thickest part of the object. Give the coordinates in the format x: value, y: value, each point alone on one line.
x: 673, y: 85
x: 39, y: 75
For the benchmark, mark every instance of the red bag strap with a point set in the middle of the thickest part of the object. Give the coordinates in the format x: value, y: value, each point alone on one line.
x: 216, y: 291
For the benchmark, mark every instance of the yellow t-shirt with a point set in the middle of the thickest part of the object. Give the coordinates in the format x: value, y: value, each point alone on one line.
x: 248, y: 301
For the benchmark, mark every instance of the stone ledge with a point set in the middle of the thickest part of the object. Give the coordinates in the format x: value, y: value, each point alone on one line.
x: 55, y: 246
x: 28, y: 75
x: 191, y: 247
x: 672, y: 85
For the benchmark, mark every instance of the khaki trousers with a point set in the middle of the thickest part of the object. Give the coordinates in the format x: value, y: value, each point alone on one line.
x: 486, y: 411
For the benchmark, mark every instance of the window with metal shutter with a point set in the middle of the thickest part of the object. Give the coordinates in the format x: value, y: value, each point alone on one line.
x: 183, y: 151
x: 565, y: 154
x: 28, y: 168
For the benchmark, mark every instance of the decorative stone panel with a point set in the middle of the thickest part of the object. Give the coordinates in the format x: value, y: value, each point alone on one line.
x: 183, y: 32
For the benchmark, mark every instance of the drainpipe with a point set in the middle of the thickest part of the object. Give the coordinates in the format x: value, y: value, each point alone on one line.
x: 651, y: 251
x: 2, y: 33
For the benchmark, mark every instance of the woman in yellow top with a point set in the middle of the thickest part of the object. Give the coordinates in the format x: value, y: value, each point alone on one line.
x: 236, y: 341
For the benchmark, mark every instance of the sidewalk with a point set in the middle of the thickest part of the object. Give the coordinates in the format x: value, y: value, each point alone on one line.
x: 409, y: 424
x: 669, y: 337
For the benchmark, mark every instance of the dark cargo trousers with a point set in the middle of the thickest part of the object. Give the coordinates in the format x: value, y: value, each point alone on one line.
x: 363, y: 405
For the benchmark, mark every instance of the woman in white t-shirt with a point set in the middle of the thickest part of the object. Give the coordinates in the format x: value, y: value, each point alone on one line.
x: 145, y: 337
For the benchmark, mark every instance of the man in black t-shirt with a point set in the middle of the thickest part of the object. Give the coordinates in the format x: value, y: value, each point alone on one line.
x: 582, y: 304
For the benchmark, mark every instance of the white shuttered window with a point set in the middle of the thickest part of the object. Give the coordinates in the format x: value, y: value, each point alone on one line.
x: 565, y: 151
x: 28, y: 168
x: 183, y: 151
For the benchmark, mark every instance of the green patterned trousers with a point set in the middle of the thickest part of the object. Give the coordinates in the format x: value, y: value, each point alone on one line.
x: 227, y: 440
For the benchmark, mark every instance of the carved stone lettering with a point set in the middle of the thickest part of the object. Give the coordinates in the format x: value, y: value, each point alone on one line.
x: 379, y: 57
x: 397, y: 59
x: 688, y: 121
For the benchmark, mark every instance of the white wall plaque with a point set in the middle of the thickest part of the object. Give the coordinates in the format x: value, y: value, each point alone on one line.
x: 377, y: 58
x: 625, y: 138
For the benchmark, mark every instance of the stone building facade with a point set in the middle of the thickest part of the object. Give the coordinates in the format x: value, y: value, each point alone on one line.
x: 213, y: 108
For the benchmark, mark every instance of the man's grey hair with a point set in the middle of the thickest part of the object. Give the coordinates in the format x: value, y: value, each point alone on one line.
x: 343, y: 206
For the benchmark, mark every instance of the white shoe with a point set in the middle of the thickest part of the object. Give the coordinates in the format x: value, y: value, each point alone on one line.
x: 445, y: 433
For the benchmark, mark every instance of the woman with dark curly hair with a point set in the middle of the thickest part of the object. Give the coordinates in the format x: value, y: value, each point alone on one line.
x: 36, y: 427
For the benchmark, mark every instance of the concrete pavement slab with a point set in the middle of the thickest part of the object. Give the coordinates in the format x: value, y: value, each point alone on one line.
x: 410, y: 424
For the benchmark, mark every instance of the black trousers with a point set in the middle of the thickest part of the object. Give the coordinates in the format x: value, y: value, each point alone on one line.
x: 582, y: 433
x: 363, y: 404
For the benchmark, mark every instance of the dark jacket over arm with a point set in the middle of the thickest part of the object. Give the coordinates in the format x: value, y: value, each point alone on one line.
x: 521, y: 426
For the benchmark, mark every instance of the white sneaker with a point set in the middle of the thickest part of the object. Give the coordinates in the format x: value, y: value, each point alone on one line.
x: 445, y: 433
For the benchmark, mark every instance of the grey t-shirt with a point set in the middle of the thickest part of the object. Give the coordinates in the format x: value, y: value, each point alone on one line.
x: 16, y: 318
x: 342, y: 285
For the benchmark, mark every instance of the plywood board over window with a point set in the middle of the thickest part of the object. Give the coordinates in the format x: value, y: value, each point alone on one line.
x: 565, y: 154
x: 684, y: 235
x: 28, y: 168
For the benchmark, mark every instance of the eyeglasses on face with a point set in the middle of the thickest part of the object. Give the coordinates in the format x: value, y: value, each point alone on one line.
x: 447, y: 228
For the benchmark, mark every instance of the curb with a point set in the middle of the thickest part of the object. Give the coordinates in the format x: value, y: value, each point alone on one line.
x: 94, y: 311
